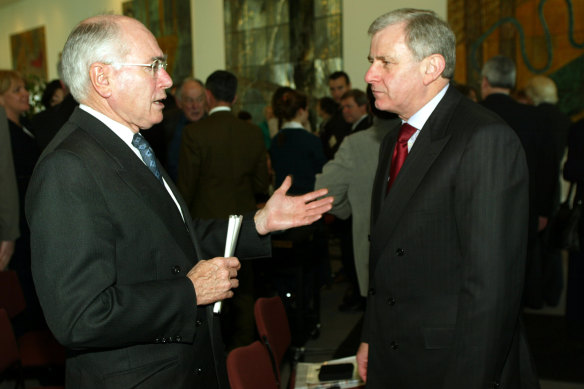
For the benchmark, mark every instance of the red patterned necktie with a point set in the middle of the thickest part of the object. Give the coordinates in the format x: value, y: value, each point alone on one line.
x: 400, y: 152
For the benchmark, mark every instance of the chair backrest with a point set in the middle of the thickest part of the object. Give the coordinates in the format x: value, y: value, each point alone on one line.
x: 11, y: 296
x: 249, y: 367
x: 9, y: 355
x: 273, y: 328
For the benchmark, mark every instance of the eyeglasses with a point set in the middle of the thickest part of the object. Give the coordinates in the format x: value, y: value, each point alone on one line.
x: 155, y: 66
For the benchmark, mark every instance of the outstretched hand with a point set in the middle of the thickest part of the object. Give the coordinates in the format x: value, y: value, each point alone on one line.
x: 282, y: 212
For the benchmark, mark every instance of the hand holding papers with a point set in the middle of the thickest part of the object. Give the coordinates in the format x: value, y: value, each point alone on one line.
x: 230, y: 243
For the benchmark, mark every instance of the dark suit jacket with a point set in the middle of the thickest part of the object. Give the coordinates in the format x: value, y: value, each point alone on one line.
x: 540, y: 150
x: 363, y: 124
x: 9, y: 204
x: 335, y: 130
x: 48, y: 122
x: 296, y: 152
x: 110, y: 258
x: 222, y: 165
x: 447, y: 255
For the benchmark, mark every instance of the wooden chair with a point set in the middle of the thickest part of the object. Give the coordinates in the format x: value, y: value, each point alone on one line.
x: 249, y: 367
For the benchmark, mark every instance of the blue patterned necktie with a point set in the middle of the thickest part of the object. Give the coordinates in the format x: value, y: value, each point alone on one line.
x: 147, y: 154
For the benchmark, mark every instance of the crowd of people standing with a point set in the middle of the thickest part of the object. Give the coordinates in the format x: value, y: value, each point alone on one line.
x: 433, y: 246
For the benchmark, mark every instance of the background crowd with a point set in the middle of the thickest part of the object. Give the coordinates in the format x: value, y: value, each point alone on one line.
x: 225, y: 162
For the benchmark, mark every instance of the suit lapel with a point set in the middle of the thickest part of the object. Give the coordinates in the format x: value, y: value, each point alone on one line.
x: 433, y: 137
x: 139, y: 178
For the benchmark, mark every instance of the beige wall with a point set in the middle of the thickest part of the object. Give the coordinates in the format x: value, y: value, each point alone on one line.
x: 60, y: 16
x: 357, y: 16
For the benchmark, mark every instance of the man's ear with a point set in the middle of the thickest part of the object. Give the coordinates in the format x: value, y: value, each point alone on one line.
x: 432, y: 66
x: 234, y: 100
x: 99, y: 75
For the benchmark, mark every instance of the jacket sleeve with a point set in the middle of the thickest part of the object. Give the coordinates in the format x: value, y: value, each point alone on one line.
x: 335, y: 177
x: 98, y: 276
x: 491, y: 195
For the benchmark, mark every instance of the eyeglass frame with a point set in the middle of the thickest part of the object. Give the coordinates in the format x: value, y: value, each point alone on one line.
x: 155, y: 66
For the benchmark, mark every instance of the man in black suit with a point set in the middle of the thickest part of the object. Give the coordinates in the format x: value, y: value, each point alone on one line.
x: 498, y: 79
x: 447, y: 230
x: 355, y: 108
x: 118, y: 263
x: 191, y: 107
x: 48, y: 122
x: 336, y: 128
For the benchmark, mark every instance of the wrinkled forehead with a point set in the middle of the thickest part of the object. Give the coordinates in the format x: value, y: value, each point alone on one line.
x: 139, y: 40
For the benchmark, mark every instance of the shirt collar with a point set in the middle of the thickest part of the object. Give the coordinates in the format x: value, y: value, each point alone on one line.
x: 421, y: 117
x: 358, y: 121
x: 220, y: 108
x: 292, y: 124
x: 123, y: 132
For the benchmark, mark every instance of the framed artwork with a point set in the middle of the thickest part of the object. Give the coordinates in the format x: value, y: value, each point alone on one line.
x: 29, y: 53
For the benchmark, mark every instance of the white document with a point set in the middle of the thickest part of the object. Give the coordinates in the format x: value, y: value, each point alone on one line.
x: 230, y: 243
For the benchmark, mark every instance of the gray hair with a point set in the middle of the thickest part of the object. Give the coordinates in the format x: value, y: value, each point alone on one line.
x: 97, y: 39
x: 500, y: 72
x: 425, y: 34
x: 181, y: 86
x: 542, y: 89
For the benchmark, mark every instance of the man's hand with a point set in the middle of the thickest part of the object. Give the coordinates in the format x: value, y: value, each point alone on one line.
x: 282, y: 212
x: 362, y: 358
x: 213, y: 279
x: 6, y: 251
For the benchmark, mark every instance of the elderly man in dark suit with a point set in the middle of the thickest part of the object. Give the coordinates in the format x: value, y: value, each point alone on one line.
x: 119, y: 264
x: 223, y: 159
x: 498, y: 80
x: 222, y: 167
x: 448, y: 229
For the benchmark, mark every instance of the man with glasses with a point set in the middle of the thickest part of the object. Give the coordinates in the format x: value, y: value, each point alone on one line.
x: 118, y: 263
x: 191, y: 107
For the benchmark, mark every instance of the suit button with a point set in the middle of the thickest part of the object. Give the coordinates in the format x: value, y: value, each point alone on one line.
x: 371, y: 292
x: 400, y: 252
x: 175, y: 269
x: 198, y: 371
x: 391, y: 301
x: 496, y: 385
x: 157, y: 340
x: 394, y: 346
x: 178, y: 338
x: 163, y: 340
x: 198, y: 323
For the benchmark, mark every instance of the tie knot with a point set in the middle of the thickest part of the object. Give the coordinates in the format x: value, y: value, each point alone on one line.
x: 139, y: 142
x: 405, y: 133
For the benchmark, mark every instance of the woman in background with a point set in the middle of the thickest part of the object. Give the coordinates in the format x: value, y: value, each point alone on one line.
x: 294, y: 150
x: 14, y: 99
x: 53, y: 94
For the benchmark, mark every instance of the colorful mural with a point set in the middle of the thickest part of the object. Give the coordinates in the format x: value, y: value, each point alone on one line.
x: 29, y: 53
x: 542, y: 36
x: 170, y: 22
